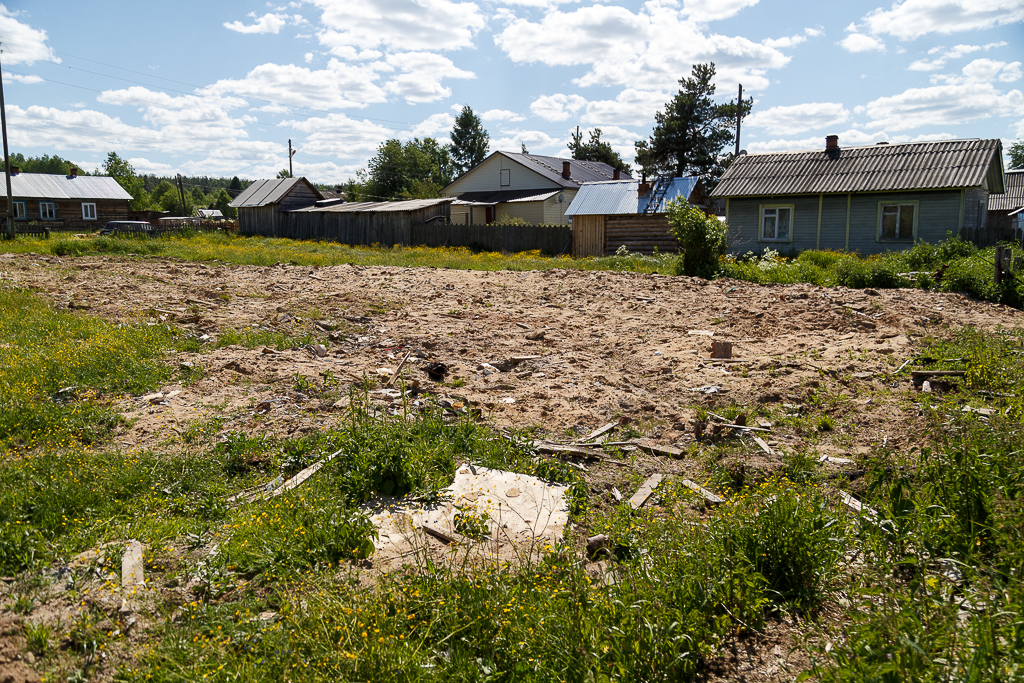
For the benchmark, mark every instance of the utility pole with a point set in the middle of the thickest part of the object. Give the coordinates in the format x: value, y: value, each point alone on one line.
x: 578, y: 141
x: 7, y: 162
x: 291, y: 153
x: 739, y: 116
x: 181, y: 193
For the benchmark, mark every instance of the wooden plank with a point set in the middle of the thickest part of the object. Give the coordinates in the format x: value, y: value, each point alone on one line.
x: 645, y: 491
x: 658, y: 449
x: 835, y: 461
x: 708, y: 496
x: 855, y: 505
x: 764, y: 446
x: 925, y: 374
x: 600, y: 431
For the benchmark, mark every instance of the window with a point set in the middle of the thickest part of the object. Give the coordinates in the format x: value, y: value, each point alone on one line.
x: 88, y: 212
x: 777, y: 223
x: 898, y: 222
x: 20, y: 211
x: 48, y: 211
x: 506, y: 177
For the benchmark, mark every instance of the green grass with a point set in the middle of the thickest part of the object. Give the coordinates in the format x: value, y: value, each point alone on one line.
x: 59, y: 371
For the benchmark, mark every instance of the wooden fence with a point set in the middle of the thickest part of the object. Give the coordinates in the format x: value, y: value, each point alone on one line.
x: 549, y: 239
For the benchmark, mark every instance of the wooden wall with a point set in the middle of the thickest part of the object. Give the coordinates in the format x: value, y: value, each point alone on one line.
x: 639, y: 233
x: 69, y: 213
x: 588, y: 236
x: 549, y: 239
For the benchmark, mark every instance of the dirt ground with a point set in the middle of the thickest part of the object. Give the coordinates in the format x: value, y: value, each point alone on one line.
x: 568, y: 351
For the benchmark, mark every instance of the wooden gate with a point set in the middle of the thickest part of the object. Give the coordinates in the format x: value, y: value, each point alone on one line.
x: 587, y: 236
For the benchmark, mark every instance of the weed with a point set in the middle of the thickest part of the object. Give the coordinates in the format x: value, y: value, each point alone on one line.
x: 37, y: 638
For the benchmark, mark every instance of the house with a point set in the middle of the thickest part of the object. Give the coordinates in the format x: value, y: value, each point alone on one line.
x: 868, y: 199
x: 260, y: 205
x: 530, y: 187
x: 1003, y: 209
x: 210, y: 214
x: 628, y: 213
x: 71, y: 202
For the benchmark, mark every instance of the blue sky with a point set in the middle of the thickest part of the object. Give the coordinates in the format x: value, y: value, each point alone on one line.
x: 218, y: 88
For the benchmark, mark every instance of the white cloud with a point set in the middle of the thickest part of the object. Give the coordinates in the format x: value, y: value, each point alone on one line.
x: 915, y: 18
x: 983, y: 71
x: 631, y: 107
x: 308, y: 57
x: 849, y: 138
x: 943, y: 105
x: 340, y: 136
x: 789, y: 120
x: 339, y: 85
x: 646, y: 50
x: 501, y: 115
x: 422, y: 74
x: 1019, y: 131
x: 711, y: 10
x: 557, y: 107
x: 144, y: 165
x: 398, y: 24
x: 927, y: 65
x: 433, y: 125
x: 27, y: 79
x: 956, y: 52
x: 536, y: 141
x: 268, y: 23
x: 22, y: 43
x: 858, y: 42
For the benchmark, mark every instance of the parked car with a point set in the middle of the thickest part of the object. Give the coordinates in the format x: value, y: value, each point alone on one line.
x: 114, y: 227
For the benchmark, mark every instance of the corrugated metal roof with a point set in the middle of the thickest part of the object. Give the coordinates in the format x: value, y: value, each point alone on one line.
x: 50, y: 186
x: 1013, y: 198
x: 264, y: 192
x: 373, y: 207
x: 503, y: 196
x: 947, y: 164
x: 620, y: 196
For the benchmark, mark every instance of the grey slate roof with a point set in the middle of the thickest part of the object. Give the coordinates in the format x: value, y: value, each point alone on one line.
x: 264, y: 192
x: 551, y: 168
x: 502, y: 196
x: 947, y: 164
x: 1014, y: 197
x: 618, y: 197
x: 50, y: 186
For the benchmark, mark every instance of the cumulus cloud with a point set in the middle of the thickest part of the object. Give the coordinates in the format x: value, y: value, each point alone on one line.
x: 943, y: 105
x: 422, y: 73
x: 340, y: 136
x: 631, y: 107
x: 434, y: 125
x: 536, y: 141
x: 397, y: 24
x: 22, y: 43
x: 268, y: 23
x: 858, y: 42
x: 648, y: 49
x: 956, y: 52
x: 557, y: 107
x: 915, y: 18
x: 27, y: 79
x: 339, y: 85
x: 501, y: 115
x: 789, y: 120
x: 711, y: 10
x: 792, y: 41
x: 849, y: 138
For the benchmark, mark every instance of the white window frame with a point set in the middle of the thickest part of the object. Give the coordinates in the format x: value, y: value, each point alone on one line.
x: 50, y: 215
x: 506, y: 177
x: 88, y: 211
x: 762, y: 213
x: 881, y: 211
x: 20, y: 211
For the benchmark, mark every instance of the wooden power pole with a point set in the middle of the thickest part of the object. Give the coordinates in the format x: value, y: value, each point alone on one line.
x: 7, y: 163
x: 739, y: 117
x: 291, y: 153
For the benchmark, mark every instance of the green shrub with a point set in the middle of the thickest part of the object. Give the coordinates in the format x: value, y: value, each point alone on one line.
x: 701, y: 236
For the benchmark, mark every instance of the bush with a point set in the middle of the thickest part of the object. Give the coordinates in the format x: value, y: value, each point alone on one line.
x: 702, y: 237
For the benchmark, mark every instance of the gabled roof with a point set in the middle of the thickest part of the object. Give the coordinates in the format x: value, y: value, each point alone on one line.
x: 272, y: 191
x: 947, y: 164
x: 1014, y: 197
x: 373, y: 207
x: 551, y: 168
x: 53, y: 186
x: 617, y: 197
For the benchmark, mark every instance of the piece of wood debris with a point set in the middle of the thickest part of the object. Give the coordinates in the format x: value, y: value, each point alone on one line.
x: 658, y: 449
x: 645, y: 491
x: 132, y: 568
x: 401, y: 365
x: 616, y: 495
x: 600, y: 431
x: 708, y: 496
x: 920, y: 375
x: 520, y: 359
x: 764, y: 446
x: 834, y: 460
x: 855, y: 505
x: 440, y: 535
x: 248, y: 496
x: 523, y: 325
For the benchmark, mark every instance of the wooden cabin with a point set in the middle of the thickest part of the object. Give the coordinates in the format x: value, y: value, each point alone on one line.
x: 73, y: 202
x: 261, y: 205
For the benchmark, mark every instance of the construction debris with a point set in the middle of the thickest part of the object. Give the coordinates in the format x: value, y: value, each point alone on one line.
x: 645, y: 491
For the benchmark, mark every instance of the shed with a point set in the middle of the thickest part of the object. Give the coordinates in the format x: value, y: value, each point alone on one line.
x: 868, y: 199
x: 260, y: 205
x: 210, y: 214
x: 385, y: 223
x: 71, y: 202
x: 628, y: 213
x: 1003, y: 208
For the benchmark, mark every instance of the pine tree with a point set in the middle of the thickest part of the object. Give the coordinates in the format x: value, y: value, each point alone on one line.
x: 596, y: 150
x: 469, y: 141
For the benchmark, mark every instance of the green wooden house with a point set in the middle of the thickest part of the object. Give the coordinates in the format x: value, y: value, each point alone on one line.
x: 871, y: 199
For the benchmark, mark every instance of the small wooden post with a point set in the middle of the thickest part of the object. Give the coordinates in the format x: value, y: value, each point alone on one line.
x: 999, y: 266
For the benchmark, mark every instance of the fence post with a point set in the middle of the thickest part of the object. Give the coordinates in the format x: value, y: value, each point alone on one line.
x: 999, y: 266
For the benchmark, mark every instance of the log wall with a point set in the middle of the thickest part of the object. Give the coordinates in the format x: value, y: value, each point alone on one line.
x: 639, y: 233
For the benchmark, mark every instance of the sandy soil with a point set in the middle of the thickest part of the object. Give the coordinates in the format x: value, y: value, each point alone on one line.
x: 600, y: 347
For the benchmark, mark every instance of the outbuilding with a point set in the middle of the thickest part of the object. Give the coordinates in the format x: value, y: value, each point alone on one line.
x: 1004, y: 209
x: 609, y: 215
x: 260, y: 205
x: 870, y: 199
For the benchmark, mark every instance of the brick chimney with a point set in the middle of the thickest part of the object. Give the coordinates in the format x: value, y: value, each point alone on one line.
x: 15, y: 170
x: 566, y: 170
x: 644, y: 188
x: 73, y: 173
x: 831, y: 143
x: 615, y: 174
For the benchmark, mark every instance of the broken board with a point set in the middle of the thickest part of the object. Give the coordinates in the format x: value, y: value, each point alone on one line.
x: 645, y: 491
